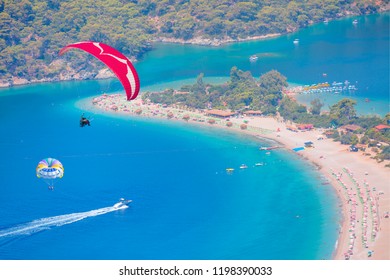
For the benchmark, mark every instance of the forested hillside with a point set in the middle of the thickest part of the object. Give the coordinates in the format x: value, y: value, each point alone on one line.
x: 33, y: 31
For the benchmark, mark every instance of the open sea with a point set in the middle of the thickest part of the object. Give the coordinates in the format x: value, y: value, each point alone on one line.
x: 185, y: 206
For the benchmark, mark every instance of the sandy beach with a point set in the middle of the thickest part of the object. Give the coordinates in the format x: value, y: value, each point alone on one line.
x: 362, y: 184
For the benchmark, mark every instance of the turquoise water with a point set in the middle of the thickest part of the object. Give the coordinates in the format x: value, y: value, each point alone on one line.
x: 344, y: 51
x: 184, y: 206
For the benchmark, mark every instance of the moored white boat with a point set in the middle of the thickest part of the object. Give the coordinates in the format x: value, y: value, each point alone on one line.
x: 243, y: 166
x: 253, y: 58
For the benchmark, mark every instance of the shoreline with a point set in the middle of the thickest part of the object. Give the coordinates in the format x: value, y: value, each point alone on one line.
x: 200, y: 41
x: 365, y: 105
x: 360, y: 183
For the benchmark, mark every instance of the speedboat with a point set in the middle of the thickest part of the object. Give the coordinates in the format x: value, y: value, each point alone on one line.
x: 122, y: 202
x: 243, y: 166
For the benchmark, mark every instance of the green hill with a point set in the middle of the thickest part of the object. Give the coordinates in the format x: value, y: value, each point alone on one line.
x: 33, y: 31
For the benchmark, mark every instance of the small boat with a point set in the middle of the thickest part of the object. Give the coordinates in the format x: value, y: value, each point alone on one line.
x: 355, y: 22
x: 296, y: 41
x: 253, y: 58
x: 122, y: 202
x: 229, y: 170
x: 243, y: 166
x: 326, y: 21
x: 269, y: 148
x: 259, y: 164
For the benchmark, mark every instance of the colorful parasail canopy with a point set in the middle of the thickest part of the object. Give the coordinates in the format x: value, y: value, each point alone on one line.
x: 50, y: 168
x: 116, y: 61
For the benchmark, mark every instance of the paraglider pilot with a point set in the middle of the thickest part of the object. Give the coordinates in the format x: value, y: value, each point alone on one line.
x: 84, y: 121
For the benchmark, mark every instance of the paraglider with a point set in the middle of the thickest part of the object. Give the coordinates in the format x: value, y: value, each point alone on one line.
x: 84, y: 121
x: 50, y: 169
x: 116, y: 61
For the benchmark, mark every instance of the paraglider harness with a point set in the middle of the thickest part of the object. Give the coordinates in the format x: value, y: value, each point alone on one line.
x: 84, y: 121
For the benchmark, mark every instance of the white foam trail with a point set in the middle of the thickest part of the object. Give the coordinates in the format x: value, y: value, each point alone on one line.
x: 56, y: 221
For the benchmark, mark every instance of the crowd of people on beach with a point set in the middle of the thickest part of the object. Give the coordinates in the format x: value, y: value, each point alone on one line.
x: 117, y: 103
x: 363, y: 210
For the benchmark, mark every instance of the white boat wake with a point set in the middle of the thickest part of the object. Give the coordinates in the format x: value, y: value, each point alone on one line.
x: 56, y: 221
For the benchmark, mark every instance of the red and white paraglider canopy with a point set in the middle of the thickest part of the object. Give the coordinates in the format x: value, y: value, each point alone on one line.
x: 116, y: 61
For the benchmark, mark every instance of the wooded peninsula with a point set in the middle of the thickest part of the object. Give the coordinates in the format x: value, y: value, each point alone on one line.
x: 265, y: 96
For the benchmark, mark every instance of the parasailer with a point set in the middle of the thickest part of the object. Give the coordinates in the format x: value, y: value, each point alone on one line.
x: 116, y: 61
x: 50, y: 169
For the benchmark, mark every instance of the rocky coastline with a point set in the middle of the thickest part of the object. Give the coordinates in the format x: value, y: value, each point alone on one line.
x: 215, y: 42
x: 68, y: 75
